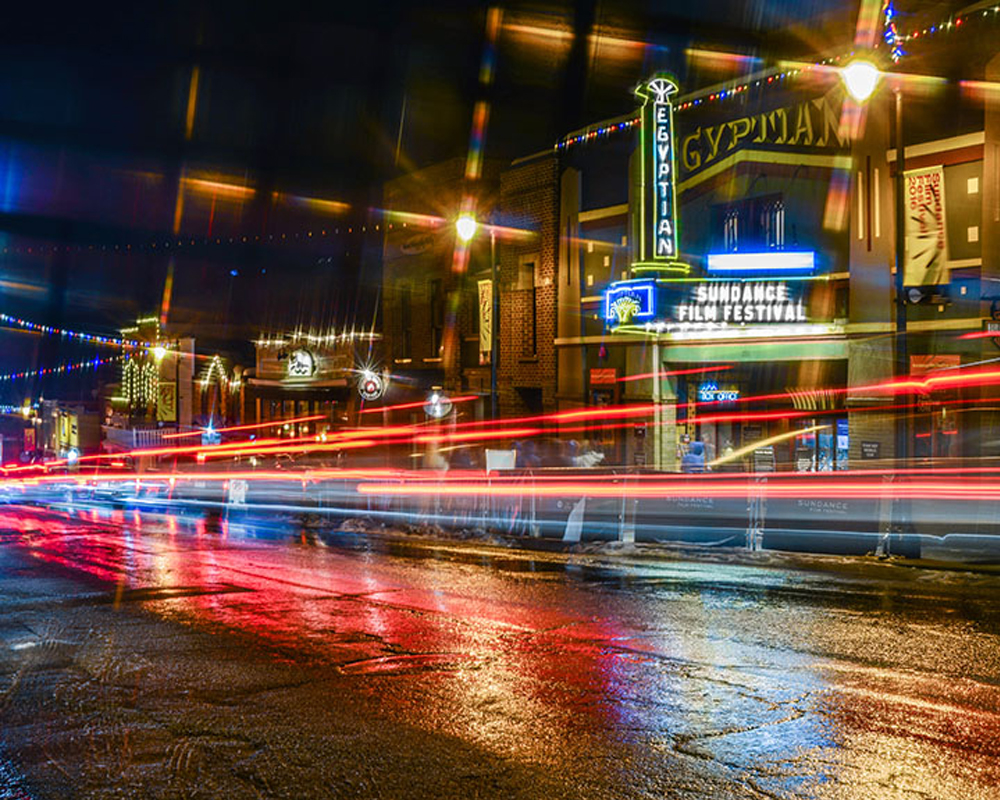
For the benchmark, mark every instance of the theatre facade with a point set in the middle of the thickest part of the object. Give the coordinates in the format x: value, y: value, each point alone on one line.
x: 726, y: 257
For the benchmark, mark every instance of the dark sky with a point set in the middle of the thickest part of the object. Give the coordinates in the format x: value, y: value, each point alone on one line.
x: 276, y: 124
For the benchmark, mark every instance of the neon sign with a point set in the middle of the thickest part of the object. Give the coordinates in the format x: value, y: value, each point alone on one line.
x: 783, y: 261
x: 626, y: 302
x: 711, y: 393
x: 659, y: 183
x: 741, y: 303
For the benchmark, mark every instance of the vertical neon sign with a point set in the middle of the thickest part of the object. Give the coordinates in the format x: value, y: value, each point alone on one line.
x: 659, y: 185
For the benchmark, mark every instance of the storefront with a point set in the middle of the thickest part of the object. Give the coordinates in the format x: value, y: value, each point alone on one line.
x: 743, y: 363
x: 298, y: 376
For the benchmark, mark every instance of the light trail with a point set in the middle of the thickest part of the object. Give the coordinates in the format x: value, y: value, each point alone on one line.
x: 668, y: 373
x: 416, y: 404
x: 272, y: 423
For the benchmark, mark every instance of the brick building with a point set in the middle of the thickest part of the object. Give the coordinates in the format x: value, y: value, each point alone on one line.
x: 429, y: 306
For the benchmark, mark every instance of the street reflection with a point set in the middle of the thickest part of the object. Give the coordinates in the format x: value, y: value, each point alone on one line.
x: 775, y: 679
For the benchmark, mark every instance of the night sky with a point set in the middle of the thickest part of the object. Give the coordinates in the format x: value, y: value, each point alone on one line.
x: 277, y: 125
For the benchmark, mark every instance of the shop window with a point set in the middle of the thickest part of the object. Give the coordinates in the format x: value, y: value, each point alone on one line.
x: 527, y: 300
x: 437, y: 317
x: 403, y: 344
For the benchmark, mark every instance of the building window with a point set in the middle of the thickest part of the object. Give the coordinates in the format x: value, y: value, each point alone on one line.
x: 527, y: 298
x: 731, y: 230
x: 772, y: 223
x: 437, y: 317
x: 755, y: 224
x: 405, y: 341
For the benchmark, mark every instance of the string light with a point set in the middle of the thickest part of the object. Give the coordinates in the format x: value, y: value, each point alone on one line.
x: 6, y: 408
x: 215, y: 366
x: 60, y: 370
x: 893, y: 39
x: 140, y: 381
x: 181, y: 243
x: 953, y: 23
x: 728, y: 93
x: 889, y: 33
x: 92, y: 338
x: 326, y: 339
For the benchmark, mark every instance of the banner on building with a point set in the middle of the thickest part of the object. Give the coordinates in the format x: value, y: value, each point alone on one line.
x: 926, y: 243
x: 166, y: 402
x: 485, y: 320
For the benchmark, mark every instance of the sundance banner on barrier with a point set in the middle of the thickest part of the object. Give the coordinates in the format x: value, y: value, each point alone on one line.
x: 926, y: 242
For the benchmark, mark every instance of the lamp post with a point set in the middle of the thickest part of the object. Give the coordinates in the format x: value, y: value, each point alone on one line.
x: 466, y: 227
x: 861, y: 78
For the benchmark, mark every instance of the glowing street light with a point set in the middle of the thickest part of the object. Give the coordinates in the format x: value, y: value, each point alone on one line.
x: 159, y: 351
x: 466, y: 227
x: 861, y: 77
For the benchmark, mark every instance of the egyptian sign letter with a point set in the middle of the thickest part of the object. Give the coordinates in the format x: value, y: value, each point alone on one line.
x: 661, y: 159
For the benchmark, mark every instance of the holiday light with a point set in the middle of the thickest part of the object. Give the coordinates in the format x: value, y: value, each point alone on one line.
x: 889, y: 33
x: 60, y: 370
x: 952, y: 24
x: 92, y: 338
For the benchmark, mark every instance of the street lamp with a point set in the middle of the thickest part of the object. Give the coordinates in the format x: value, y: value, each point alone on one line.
x: 861, y: 78
x: 466, y: 227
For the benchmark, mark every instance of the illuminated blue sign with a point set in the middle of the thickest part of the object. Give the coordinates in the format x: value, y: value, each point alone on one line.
x: 711, y: 393
x: 783, y: 261
x: 626, y: 302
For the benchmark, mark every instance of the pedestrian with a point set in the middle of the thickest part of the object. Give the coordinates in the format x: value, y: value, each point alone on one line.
x: 694, y: 458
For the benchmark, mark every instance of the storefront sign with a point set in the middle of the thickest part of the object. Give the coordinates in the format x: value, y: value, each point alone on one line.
x: 166, y: 402
x: 300, y: 364
x: 711, y: 393
x: 625, y: 303
x: 926, y: 244
x: 871, y: 451
x: 603, y: 375
x: 371, y: 386
x: 810, y: 125
x: 923, y: 364
x: 659, y: 199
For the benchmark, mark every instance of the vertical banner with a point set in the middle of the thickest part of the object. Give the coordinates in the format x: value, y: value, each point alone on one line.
x: 166, y: 402
x: 485, y: 321
x: 926, y: 244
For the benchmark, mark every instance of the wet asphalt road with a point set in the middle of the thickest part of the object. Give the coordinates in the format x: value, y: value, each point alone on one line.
x: 157, y: 656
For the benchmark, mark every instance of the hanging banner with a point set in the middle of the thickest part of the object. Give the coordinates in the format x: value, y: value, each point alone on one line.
x: 926, y: 244
x: 166, y: 402
x: 485, y: 320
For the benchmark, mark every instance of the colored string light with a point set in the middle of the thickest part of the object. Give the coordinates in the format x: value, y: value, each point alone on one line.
x: 952, y: 23
x: 602, y: 130
x: 892, y: 39
x: 91, y: 338
x: 62, y: 369
x: 889, y: 33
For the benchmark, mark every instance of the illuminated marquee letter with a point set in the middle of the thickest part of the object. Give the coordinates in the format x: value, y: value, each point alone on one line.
x: 659, y: 199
